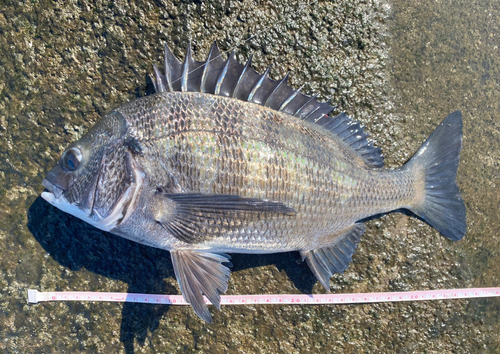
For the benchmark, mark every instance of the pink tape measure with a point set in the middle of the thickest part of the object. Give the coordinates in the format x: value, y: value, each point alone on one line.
x: 35, y: 296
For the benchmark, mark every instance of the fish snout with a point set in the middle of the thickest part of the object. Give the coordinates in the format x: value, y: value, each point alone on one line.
x: 57, y: 181
x: 52, y: 188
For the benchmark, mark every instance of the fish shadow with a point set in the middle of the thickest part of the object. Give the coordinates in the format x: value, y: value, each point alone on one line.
x: 75, y: 244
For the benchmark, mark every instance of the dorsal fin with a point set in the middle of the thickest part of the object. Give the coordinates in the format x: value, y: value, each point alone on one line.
x: 229, y: 78
x: 353, y: 135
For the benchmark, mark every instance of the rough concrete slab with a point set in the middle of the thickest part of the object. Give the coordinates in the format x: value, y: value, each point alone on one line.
x: 398, y: 67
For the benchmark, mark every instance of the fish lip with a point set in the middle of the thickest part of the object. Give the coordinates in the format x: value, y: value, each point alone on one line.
x: 52, y: 188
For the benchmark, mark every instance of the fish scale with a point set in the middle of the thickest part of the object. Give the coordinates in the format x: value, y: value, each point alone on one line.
x: 224, y: 159
x: 336, y: 187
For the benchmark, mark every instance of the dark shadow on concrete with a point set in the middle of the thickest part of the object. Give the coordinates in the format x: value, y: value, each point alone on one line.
x: 297, y: 271
x: 76, y: 244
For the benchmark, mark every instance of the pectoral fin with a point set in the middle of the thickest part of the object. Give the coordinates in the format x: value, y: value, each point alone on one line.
x: 193, y: 218
x: 201, y: 273
x: 324, y: 262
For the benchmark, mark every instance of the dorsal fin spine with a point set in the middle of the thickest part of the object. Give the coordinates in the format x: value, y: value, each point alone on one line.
x: 241, y: 78
x: 185, y: 69
x: 205, y: 69
x: 311, y: 113
x: 289, y: 99
x: 283, y: 81
x: 220, y: 79
x: 346, y: 127
x: 157, y: 80
x: 296, y: 114
x: 154, y: 83
x: 168, y: 73
x: 259, y: 84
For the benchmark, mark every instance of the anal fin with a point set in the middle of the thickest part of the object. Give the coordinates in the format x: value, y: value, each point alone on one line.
x: 201, y: 273
x: 326, y: 261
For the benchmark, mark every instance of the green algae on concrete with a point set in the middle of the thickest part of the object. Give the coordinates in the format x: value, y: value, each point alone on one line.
x: 400, y: 70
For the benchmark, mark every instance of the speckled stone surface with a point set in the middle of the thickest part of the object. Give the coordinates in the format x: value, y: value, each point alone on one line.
x: 398, y: 67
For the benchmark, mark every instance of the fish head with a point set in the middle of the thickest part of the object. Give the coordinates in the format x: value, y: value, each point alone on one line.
x: 95, y: 178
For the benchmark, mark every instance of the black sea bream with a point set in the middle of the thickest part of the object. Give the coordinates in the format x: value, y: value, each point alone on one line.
x: 222, y: 159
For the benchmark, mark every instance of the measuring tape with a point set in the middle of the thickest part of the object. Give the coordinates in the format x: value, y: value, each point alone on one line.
x: 35, y: 296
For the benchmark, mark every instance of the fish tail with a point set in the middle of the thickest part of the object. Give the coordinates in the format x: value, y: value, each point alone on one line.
x: 440, y: 203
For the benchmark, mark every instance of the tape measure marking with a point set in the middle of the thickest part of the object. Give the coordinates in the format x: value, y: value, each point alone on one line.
x: 35, y: 296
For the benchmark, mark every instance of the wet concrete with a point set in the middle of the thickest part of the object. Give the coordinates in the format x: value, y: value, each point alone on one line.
x: 400, y: 69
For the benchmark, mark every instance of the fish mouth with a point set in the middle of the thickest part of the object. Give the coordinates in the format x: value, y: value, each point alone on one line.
x: 52, y: 189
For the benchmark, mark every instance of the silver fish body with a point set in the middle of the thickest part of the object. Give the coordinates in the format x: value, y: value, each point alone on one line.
x: 222, y: 159
x: 212, y: 147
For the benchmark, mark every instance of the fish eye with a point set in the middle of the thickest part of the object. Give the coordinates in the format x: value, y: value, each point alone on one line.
x: 71, y: 159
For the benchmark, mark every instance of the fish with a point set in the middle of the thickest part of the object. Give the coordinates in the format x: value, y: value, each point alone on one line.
x: 222, y: 159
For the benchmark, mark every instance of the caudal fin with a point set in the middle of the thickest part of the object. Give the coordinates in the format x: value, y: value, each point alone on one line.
x: 442, y: 206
